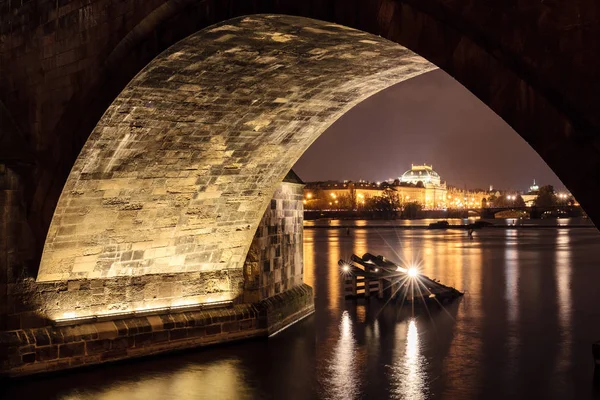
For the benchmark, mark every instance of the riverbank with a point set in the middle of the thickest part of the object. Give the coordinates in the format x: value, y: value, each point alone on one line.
x: 450, y: 227
x: 454, y: 223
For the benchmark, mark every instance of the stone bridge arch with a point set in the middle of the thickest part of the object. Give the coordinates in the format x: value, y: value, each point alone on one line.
x: 63, y: 64
x: 176, y: 175
x: 533, y: 64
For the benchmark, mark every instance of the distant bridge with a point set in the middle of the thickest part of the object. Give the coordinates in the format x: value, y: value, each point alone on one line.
x: 534, y: 212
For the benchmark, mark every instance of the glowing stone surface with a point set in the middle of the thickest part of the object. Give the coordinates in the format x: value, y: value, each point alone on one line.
x: 178, y: 172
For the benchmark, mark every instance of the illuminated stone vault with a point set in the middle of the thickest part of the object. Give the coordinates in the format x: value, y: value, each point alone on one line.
x: 178, y: 172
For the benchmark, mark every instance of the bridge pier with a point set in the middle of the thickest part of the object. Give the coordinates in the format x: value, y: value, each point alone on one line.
x: 51, y: 326
x: 53, y: 348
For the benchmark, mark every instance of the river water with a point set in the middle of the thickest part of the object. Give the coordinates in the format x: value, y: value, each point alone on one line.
x: 522, y: 331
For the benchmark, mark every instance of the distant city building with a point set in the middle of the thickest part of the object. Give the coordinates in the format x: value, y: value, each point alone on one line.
x: 423, y: 186
x: 429, y: 190
x: 529, y: 197
x: 421, y: 173
x: 463, y: 198
x: 534, y: 187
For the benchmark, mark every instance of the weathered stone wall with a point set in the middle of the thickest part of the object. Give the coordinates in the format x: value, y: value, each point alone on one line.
x: 275, y: 259
x: 32, y: 342
x: 52, y: 348
x: 15, y: 240
x: 179, y: 170
x: 278, y: 267
x: 34, y: 304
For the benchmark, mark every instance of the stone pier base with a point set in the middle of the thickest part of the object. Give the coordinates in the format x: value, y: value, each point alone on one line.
x: 55, y: 348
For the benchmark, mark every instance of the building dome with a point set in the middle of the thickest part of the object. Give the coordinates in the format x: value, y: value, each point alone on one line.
x: 421, y: 173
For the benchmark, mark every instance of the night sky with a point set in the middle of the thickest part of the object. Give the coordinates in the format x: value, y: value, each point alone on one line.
x: 428, y: 119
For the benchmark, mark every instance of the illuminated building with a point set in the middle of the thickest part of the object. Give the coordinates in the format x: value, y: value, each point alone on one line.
x: 428, y: 189
x: 462, y: 198
x: 529, y: 198
x: 534, y: 187
x: 421, y: 184
x: 421, y: 173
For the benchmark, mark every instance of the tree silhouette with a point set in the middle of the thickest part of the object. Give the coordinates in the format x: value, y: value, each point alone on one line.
x: 411, y: 210
x: 519, y: 202
x: 546, y: 197
x: 387, y: 203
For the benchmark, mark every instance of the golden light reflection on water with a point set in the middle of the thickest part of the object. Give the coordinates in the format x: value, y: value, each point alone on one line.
x: 511, y: 294
x: 361, y: 313
x: 223, y: 380
x: 360, y: 245
x: 334, y: 279
x: 463, y: 261
x: 360, y: 353
x: 511, y: 265
x: 343, y: 379
x: 563, y: 279
x: 408, y: 373
x: 563, y: 288
x: 310, y: 258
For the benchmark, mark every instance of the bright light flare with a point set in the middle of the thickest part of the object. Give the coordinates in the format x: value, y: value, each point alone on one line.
x: 346, y: 268
x: 412, y: 272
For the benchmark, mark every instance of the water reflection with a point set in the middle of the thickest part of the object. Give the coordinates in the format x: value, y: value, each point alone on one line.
x: 408, y: 374
x: 511, y: 294
x: 360, y: 244
x: 310, y: 260
x: 511, y: 263
x: 563, y: 288
x: 563, y: 279
x: 334, y: 280
x: 224, y: 379
x: 342, y: 373
x: 522, y: 331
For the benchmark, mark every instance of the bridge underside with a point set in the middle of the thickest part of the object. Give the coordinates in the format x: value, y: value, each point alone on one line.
x: 164, y: 200
x: 177, y: 173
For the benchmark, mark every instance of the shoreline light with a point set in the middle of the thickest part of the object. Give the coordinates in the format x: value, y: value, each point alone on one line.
x: 70, y: 318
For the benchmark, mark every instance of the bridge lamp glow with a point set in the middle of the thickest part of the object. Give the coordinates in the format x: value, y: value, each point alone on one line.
x: 412, y: 272
x: 346, y: 268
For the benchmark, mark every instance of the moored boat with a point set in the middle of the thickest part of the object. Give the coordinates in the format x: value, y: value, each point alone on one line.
x: 406, y: 283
